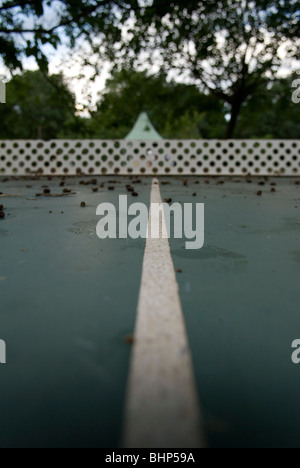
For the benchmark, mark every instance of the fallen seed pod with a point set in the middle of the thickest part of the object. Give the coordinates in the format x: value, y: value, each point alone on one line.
x: 129, y: 339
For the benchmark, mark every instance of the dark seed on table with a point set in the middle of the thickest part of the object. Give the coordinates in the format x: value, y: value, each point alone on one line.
x: 1, y: 207
x: 111, y: 188
x: 194, y: 194
x: 168, y: 200
x: 261, y: 183
x: 259, y: 193
x: 47, y: 191
x: 83, y: 204
x: 129, y: 339
x: 178, y: 270
x: 273, y: 190
x: 2, y: 215
x: 135, y: 194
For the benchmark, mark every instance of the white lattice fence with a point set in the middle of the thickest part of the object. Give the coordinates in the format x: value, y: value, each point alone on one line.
x: 186, y: 157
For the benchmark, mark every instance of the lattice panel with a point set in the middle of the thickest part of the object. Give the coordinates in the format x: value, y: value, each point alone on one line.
x: 185, y: 157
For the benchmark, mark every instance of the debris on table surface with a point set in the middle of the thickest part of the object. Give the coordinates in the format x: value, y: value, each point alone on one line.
x: 65, y: 193
x: 129, y: 339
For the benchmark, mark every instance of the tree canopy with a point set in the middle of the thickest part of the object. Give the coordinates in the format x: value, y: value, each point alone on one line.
x: 228, y: 47
x: 42, y: 106
x: 270, y: 113
x: 27, y: 26
x: 176, y: 110
x: 38, y: 106
x: 229, y: 51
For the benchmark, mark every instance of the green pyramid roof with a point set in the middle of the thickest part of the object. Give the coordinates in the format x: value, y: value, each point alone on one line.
x: 143, y: 129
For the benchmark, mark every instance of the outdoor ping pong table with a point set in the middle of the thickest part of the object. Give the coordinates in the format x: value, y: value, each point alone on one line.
x: 69, y: 302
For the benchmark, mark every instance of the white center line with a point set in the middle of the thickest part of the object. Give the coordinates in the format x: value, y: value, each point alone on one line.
x: 162, y: 409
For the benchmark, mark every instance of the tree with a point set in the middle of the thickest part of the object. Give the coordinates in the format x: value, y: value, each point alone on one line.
x: 177, y: 110
x: 38, y: 106
x: 27, y: 26
x: 271, y: 113
x: 229, y: 47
